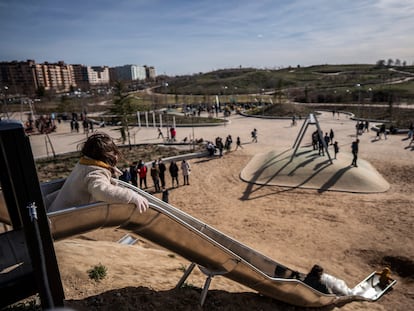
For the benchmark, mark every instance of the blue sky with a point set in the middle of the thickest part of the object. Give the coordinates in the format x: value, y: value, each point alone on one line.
x: 191, y: 36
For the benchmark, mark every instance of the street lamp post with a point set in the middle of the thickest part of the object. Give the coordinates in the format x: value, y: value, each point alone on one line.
x: 359, y: 106
x: 370, y: 102
x: 5, y: 109
x: 165, y: 93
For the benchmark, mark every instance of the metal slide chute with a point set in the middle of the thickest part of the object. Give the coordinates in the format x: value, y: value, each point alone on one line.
x: 213, y: 251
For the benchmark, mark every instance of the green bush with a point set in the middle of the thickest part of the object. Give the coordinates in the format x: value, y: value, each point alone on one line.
x: 97, y: 273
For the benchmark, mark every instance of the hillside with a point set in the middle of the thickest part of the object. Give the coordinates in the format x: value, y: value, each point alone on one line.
x: 336, y: 82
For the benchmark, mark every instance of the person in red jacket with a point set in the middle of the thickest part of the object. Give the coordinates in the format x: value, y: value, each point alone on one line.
x: 142, y: 173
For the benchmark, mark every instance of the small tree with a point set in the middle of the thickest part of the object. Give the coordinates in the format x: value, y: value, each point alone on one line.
x: 123, y: 108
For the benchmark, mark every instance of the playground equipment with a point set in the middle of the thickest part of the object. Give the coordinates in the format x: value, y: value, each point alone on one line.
x: 26, y: 252
x: 212, y: 251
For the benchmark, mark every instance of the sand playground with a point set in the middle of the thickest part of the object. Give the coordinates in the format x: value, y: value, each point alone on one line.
x: 299, y: 209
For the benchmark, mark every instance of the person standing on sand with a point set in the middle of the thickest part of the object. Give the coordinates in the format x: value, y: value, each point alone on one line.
x: 228, y: 143
x: 155, y: 175
x: 174, y: 172
x: 162, y: 168
x: 133, y: 172
x: 336, y: 148
x: 354, y: 148
x: 185, y: 167
x: 142, y: 173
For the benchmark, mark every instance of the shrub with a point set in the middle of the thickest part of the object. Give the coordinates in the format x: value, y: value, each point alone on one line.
x: 97, y: 273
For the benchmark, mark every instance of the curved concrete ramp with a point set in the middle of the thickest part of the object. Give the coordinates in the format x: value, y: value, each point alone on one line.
x: 309, y: 170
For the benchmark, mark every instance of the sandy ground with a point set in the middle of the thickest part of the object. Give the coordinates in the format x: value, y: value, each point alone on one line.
x: 349, y: 234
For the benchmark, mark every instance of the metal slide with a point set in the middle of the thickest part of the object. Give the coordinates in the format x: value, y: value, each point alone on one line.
x: 214, y: 252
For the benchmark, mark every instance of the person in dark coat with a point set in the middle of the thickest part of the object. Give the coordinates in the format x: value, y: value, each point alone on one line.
x: 354, y: 148
x: 174, y: 172
x: 162, y: 168
x: 134, y: 174
x: 313, y: 279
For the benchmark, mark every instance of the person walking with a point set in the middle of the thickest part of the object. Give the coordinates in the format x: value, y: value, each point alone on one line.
x: 354, y: 148
x: 238, y: 143
x: 160, y: 135
x: 254, y: 136
x: 185, y: 167
x: 173, y: 133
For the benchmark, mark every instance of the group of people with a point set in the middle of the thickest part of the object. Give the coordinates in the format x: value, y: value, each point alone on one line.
x: 212, y: 148
x: 219, y: 145
x: 137, y: 173
x: 45, y: 124
x: 319, y: 142
x: 92, y: 178
x: 362, y: 126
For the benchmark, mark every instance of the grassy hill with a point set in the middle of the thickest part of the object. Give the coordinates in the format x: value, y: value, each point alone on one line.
x: 323, y: 83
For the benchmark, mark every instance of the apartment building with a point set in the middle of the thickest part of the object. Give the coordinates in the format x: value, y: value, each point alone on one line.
x: 80, y: 73
x: 150, y: 72
x: 26, y: 77
x: 98, y: 75
x: 18, y: 77
x: 129, y: 73
x: 58, y: 77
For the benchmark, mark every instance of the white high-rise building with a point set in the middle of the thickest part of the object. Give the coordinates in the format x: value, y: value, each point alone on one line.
x: 130, y: 72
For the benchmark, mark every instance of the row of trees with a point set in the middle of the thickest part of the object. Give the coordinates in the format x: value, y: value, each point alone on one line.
x: 390, y: 62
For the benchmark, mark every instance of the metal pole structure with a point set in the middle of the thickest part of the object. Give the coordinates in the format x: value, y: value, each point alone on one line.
x: 323, y: 140
x: 139, y: 119
x: 301, y: 132
x: 300, y: 137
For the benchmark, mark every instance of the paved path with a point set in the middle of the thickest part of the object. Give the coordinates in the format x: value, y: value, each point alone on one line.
x: 272, y: 134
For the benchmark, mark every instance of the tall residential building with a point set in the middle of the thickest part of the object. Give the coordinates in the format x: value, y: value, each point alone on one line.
x: 26, y: 77
x: 18, y: 77
x: 80, y: 73
x: 150, y: 72
x: 98, y: 75
x: 130, y: 72
x: 58, y: 77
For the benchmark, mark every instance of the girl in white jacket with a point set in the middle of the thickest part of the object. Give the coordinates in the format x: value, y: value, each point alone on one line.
x: 90, y: 180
